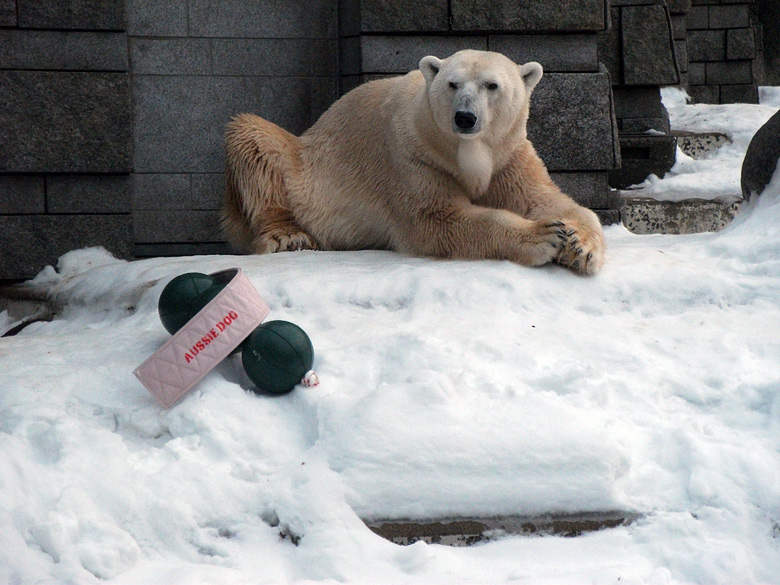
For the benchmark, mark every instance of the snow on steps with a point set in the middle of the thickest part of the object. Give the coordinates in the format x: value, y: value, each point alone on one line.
x: 646, y: 215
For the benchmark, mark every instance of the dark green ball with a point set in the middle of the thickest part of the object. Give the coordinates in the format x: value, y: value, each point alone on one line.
x: 277, y: 355
x: 180, y: 297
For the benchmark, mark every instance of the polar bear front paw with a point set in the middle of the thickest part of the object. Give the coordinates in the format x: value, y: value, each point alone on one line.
x: 583, y: 251
x: 546, y: 243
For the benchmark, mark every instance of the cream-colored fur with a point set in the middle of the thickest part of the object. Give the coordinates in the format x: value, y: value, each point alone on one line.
x: 434, y: 163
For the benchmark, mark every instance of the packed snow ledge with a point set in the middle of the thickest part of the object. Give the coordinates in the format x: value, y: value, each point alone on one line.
x: 447, y: 389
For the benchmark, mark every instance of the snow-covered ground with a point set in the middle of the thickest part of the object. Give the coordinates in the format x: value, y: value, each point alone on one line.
x: 447, y: 389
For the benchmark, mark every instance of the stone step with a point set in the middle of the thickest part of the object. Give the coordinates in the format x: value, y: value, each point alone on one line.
x: 468, y: 531
x: 697, y: 145
x: 642, y: 215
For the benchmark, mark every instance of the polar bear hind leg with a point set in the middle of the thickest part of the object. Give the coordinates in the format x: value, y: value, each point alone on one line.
x: 256, y: 216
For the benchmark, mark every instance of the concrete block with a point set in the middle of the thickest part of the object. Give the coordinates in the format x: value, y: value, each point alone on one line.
x: 526, y: 16
x: 649, y: 216
x: 641, y: 156
x: 609, y: 48
x: 88, y: 193
x: 22, y: 194
x: 696, y: 73
x: 161, y: 18
x: 60, y: 50
x: 648, y: 49
x: 704, y: 94
x: 679, y: 27
x: 177, y: 226
x: 65, y: 122
x: 643, y: 125
x: 740, y: 44
x: 681, y: 53
x: 168, y: 250
x: 556, y: 53
x: 208, y: 190
x: 180, y: 121
x: 393, y: 54
x: 174, y: 56
x: 679, y: 6
x: 73, y: 14
x: 588, y: 189
x: 253, y: 57
x: 158, y: 191
x: 729, y: 72
x: 739, y: 94
x: 579, y: 136
x: 7, y: 12
x: 698, y: 18
x: 294, y: 19
x: 31, y: 242
x: 729, y: 16
x: 707, y: 45
x: 385, y: 16
x: 638, y: 102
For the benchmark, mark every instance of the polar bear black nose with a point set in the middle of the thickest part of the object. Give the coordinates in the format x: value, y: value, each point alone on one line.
x: 465, y: 120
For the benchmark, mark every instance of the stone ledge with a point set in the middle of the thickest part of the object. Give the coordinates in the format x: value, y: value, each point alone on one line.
x: 643, y: 216
x: 468, y: 531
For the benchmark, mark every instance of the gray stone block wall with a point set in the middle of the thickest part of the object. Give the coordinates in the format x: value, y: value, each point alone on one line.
x: 195, y: 65
x: 724, y: 51
x: 65, y: 131
x: 141, y: 91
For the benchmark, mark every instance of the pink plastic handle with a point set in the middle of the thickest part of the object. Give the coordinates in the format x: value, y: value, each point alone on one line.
x: 205, y: 340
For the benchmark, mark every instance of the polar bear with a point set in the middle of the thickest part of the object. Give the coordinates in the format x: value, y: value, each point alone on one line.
x: 432, y: 163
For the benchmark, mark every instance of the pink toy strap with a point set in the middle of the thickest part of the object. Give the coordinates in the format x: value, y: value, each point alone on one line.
x: 205, y: 340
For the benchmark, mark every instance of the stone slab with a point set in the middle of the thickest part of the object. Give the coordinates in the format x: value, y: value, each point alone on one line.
x: 31, y: 242
x: 88, y: 193
x: 161, y: 18
x: 7, y: 12
x: 648, y: 47
x: 23, y: 194
x: 61, y: 122
x: 167, y: 250
x: 639, y: 102
x: 177, y: 226
x: 63, y: 50
x: 528, y: 16
x: 643, y: 155
x: 275, y: 57
x: 729, y: 72
x: 704, y: 94
x: 739, y: 94
x: 700, y: 145
x: 180, y: 120
x: 394, y: 54
x: 556, y: 53
x: 73, y: 14
x: 579, y: 136
x: 729, y: 16
x: 157, y: 191
x: 706, y: 45
x: 295, y: 19
x: 692, y: 216
x: 698, y: 18
x: 588, y: 189
x: 740, y: 44
x: 385, y: 16
x: 174, y: 56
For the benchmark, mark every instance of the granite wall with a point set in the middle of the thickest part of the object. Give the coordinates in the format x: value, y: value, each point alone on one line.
x: 112, y: 111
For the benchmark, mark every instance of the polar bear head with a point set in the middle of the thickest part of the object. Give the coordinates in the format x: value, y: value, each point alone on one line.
x: 479, y: 93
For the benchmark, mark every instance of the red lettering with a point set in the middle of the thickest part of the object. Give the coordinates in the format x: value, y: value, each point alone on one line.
x: 221, y: 326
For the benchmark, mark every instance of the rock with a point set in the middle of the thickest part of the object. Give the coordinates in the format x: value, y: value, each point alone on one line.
x: 761, y: 158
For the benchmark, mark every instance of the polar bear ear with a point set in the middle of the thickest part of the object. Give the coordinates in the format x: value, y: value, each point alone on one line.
x: 531, y: 73
x: 430, y: 66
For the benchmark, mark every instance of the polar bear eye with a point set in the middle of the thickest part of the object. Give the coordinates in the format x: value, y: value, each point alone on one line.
x: 492, y: 86
x: 453, y: 85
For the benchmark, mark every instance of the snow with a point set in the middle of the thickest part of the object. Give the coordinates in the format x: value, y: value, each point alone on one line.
x: 447, y: 389
x: 715, y: 176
